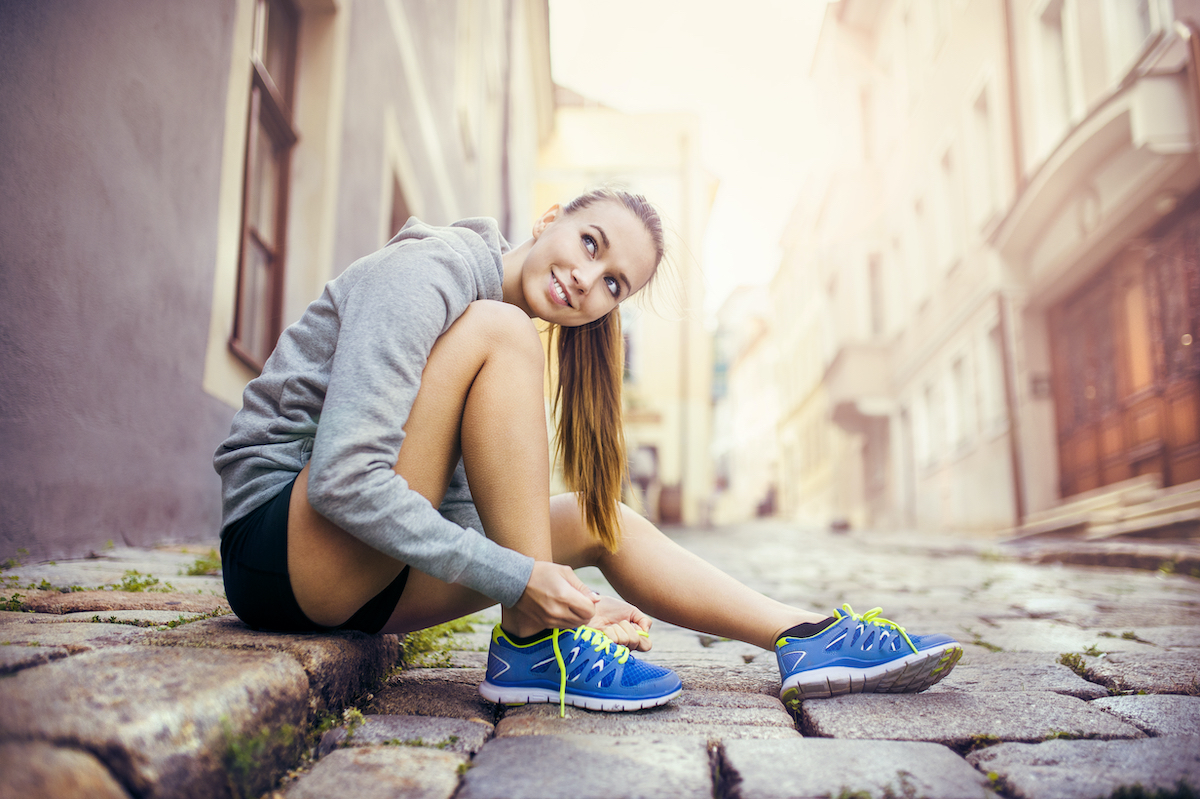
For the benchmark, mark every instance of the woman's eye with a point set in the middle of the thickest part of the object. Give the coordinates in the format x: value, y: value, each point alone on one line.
x: 589, y: 243
x: 613, y: 286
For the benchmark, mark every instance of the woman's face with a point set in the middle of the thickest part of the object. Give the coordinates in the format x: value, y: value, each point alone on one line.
x: 582, y: 265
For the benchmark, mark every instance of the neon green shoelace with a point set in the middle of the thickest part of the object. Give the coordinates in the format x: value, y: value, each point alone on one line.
x: 872, y: 617
x: 600, y: 643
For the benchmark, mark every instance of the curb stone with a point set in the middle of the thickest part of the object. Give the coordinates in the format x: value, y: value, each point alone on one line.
x: 37, y: 769
x: 164, y: 720
x: 340, y: 666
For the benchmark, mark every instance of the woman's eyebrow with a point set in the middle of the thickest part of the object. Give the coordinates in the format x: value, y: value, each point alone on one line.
x: 603, y: 237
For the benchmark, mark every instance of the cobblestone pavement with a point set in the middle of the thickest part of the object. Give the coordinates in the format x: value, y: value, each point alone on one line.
x: 160, y: 693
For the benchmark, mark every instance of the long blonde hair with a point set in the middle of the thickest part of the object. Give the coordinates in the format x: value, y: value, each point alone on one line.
x: 587, y: 400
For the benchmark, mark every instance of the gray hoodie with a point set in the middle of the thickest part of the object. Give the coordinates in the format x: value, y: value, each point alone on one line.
x: 337, y: 391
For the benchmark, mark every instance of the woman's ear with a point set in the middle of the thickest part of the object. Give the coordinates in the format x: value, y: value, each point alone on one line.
x: 545, y: 219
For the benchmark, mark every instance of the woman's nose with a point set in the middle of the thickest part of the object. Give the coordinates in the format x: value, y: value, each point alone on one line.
x: 583, y: 278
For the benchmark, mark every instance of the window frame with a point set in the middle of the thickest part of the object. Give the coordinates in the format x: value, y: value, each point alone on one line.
x: 270, y: 112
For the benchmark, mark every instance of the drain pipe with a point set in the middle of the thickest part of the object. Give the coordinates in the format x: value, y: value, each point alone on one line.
x: 1010, y: 401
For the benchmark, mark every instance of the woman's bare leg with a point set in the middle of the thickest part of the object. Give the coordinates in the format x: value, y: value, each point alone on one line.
x: 482, y: 393
x: 666, y: 581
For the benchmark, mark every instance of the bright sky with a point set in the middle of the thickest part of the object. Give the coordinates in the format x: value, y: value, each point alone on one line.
x: 742, y: 68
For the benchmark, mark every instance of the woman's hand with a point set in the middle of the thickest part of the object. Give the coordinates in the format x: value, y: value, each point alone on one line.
x: 555, y: 597
x: 622, y: 622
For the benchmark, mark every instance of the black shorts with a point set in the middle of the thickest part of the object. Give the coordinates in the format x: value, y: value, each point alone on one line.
x: 257, y: 585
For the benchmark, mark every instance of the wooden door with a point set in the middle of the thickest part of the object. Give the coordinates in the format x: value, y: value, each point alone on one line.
x: 1126, y: 372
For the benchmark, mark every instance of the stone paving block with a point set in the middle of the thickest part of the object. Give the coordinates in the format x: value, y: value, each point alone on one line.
x: 451, y: 735
x: 1171, y: 636
x: 821, y: 767
x: 108, y: 601
x: 450, y: 693
x: 1046, y: 635
x: 1156, y: 714
x: 711, y: 723
x: 589, y: 767
x: 731, y: 699
x: 136, y: 618
x: 163, y: 719
x: 340, y: 666
x: 33, y: 629
x: 957, y: 719
x: 14, y: 657
x: 381, y: 772
x: 1090, y: 769
x: 1175, y: 672
x: 1018, y: 672
x: 34, y: 769
x: 760, y: 676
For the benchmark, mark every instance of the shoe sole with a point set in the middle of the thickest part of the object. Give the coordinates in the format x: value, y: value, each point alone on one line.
x: 910, y: 674
x: 518, y: 696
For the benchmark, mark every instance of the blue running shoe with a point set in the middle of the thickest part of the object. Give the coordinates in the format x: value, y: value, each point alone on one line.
x: 857, y: 654
x: 581, y: 667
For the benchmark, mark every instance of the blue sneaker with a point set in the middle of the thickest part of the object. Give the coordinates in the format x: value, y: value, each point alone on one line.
x: 581, y: 667
x: 857, y: 654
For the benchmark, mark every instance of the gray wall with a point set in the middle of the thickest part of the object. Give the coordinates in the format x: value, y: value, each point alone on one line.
x: 111, y: 120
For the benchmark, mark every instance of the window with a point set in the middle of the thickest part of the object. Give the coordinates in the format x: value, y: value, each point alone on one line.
x: 919, y: 247
x: 995, y: 404
x: 875, y: 288
x: 1127, y: 26
x: 269, y: 141
x: 984, y: 187
x: 947, y: 230
x: 1055, y: 97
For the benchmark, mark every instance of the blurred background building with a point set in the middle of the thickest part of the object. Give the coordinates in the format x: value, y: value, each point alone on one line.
x: 668, y: 358
x: 182, y: 180
x: 992, y: 289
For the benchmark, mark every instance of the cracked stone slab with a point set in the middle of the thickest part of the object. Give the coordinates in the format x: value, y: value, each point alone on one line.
x: 589, y: 767
x: 37, y: 769
x: 340, y: 666
x: 105, y: 601
x: 713, y: 723
x: 1155, y: 673
x: 1156, y: 714
x: 1088, y: 769
x: 14, y: 657
x: 1170, y: 636
x: 1018, y: 672
x: 33, y: 629
x: 451, y: 735
x: 957, y: 719
x: 381, y: 772
x: 822, y: 767
x: 449, y: 693
x: 162, y: 719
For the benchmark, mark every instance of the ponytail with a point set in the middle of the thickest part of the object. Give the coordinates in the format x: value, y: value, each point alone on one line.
x: 591, y: 433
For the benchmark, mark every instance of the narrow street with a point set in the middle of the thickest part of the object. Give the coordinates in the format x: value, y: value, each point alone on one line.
x: 1076, y: 681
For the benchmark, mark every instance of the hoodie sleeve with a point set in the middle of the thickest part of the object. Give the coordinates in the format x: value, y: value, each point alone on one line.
x: 390, y: 317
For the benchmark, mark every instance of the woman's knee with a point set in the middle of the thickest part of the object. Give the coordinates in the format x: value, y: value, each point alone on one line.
x: 499, y: 325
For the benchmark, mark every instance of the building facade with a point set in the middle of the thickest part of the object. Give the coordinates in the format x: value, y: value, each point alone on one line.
x: 1004, y: 248
x: 183, y: 181
x: 668, y: 351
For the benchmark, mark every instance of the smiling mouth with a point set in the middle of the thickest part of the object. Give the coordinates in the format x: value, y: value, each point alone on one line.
x: 560, y: 291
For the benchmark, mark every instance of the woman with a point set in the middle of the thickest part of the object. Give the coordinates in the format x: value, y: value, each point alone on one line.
x: 419, y: 372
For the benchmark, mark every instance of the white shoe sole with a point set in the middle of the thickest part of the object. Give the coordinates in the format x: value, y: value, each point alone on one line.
x: 910, y: 674
x: 519, y: 696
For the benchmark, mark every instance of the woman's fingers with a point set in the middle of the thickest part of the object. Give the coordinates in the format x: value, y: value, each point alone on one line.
x: 555, y: 597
